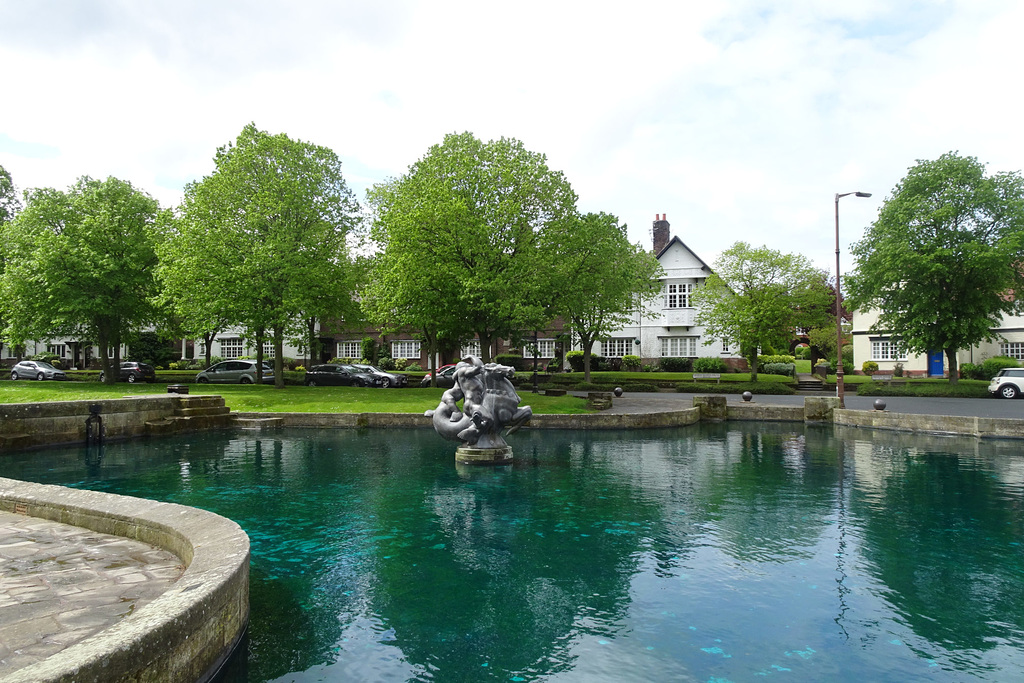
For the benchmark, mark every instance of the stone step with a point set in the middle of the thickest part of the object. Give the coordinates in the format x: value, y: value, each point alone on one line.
x: 161, y: 427
x: 205, y: 410
x: 260, y: 424
x: 14, y: 441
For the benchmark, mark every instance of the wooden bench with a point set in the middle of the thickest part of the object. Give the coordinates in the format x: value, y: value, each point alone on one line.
x: 717, y: 376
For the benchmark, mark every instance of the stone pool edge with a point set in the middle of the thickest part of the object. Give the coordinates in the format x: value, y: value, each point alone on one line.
x: 188, y: 632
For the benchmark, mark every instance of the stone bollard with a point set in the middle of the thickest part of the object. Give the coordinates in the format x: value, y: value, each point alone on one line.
x: 711, y: 407
x: 820, y: 408
x: 599, y: 400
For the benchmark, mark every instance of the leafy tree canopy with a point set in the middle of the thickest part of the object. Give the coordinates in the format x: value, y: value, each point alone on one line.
x: 943, y: 260
x: 10, y: 204
x: 603, y: 279
x: 261, y: 242
x: 81, y: 262
x: 759, y: 296
x: 466, y: 222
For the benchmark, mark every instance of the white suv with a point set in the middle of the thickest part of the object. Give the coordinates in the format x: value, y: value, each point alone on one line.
x: 1009, y: 383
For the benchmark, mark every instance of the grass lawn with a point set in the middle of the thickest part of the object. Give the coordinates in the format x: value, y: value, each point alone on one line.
x: 267, y: 399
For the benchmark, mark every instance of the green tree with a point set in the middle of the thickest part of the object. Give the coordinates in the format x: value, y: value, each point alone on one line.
x: 469, y: 218
x: 759, y: 296
x: 10, y: 204
x: 943, y: 259
x: 602, y: 279
x: 81, y: 262
x: 263, y: 241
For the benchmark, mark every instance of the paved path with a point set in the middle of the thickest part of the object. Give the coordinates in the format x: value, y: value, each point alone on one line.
x: 60, y: 584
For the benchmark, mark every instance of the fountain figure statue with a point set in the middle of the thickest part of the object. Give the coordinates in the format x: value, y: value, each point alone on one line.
x: 489, y: 405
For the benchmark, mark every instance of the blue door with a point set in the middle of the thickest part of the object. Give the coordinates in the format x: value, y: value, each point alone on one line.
x: 935, y: 364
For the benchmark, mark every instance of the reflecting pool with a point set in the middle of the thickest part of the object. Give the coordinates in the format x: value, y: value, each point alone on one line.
x: 710, y: 553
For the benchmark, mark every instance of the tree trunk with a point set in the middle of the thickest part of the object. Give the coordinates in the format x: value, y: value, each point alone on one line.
x: 208, y: 341
x: 753, y: 365
x: 278, y: 358
x: 259, y: 356
x: 486, y: 340
x: 954, y: 370
x: 102, y: 340
x: 587, y: 343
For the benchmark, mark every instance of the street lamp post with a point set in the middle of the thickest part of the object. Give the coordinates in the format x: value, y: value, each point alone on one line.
x: 839, y: 317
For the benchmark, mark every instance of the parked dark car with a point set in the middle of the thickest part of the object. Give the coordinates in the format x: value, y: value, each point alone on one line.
x: 133, y: 372
x: 387, y: 379
x: 36, y: 369
x: 235, y: 372
x: 340, y: 375
x: 445, y: 377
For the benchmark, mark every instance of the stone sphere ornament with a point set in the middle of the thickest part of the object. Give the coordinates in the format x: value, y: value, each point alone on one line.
x: 617, y: 391
x: 747, y: 396
x: 879, y: 404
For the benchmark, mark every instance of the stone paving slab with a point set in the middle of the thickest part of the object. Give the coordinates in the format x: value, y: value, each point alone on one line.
x: 60, y: 584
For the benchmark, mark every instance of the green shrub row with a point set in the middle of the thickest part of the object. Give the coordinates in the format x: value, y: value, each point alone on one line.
x: 935, y: 389
x: 776, y: 388
x: 786, y: 369
x: 988, y: 368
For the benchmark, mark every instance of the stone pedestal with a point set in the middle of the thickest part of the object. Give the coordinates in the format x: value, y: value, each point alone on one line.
x: 711, y: 407
x: 472, y: 455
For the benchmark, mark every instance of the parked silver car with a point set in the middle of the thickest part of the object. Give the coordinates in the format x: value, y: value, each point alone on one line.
x: 1008, y: 383
x: 36, y: 369
x: 235, y: 372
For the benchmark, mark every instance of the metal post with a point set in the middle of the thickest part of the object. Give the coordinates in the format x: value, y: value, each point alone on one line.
x: 535, y: 361
x: 839, y: 318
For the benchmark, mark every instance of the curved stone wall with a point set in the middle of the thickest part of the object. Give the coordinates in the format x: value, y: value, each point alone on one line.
x: 186, y: 633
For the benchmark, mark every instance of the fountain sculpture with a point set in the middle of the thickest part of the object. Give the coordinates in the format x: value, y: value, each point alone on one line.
x: 489, y: 405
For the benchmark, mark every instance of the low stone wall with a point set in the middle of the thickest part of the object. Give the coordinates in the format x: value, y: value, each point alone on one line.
x: 26, y: 425
x: 183, y: 635
x: 982, y: 427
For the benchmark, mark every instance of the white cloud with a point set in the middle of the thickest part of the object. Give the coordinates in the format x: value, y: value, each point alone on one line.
x: 740, y: 120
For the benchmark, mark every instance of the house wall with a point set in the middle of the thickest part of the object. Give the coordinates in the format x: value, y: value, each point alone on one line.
x: 1010, y: 333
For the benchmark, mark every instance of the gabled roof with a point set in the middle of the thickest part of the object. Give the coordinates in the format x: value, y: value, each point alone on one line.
x: 683, y: 245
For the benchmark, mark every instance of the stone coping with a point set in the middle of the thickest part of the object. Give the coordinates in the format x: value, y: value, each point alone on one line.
x: 188, y: 632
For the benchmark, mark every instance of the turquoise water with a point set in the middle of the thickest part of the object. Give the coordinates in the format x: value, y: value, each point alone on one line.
x: 711, y: 553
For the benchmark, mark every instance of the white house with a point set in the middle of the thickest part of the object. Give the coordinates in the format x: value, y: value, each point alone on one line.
x: 670, y: 329
x: 870, y: 344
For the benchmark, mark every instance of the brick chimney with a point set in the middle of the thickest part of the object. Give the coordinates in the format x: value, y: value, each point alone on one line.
x: 660, y: 232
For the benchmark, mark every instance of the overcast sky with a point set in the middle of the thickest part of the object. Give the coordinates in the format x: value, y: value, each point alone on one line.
x: 738, y: 119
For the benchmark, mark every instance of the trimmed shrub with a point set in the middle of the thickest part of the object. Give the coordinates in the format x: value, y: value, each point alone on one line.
x: 513, y: 360
x: 869, y: 366
x: 776, y: 388
x: 972, y: 371
x: 992, y: 366
x: 675, y: 364
x: 787, y: 369
x: 386, y: 363
x: 575, y: 360
x: 631, y: 363
x: 414, y: 367
x: 710, y: 364
x: 762, y: 361
x: 942, y: 389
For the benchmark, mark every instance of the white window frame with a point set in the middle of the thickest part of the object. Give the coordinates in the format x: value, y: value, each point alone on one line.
x: 886, y: 350
x: 684, y: 346
x: 1012, y: 349
x: 617, y: 347
x: 405, y: 348
x: 471, y: 348
x: 268, y: 349
x: 677, y: 295
x: 231, y: 348
x: 349, y: 348
x: 59, y: 350
x: 545, y: 349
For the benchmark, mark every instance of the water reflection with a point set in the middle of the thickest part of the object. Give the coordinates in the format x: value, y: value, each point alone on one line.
x: 708, y: 552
